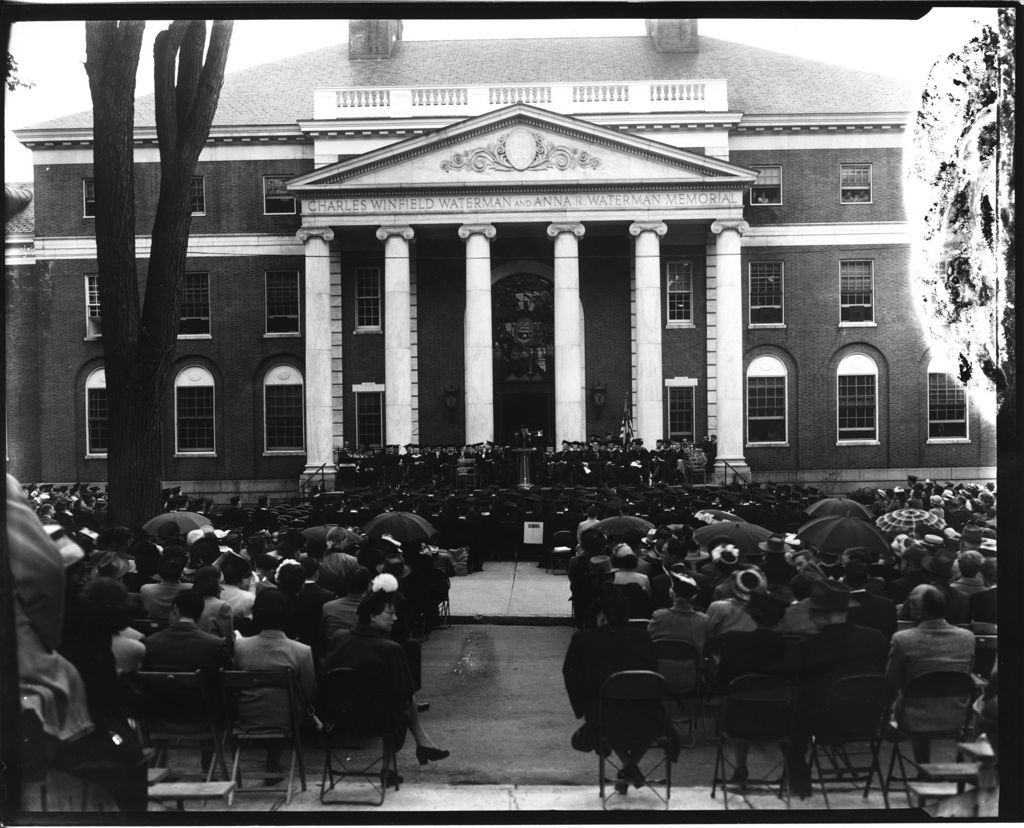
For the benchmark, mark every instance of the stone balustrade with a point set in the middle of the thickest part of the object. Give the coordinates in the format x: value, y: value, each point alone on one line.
x: 635, y: 97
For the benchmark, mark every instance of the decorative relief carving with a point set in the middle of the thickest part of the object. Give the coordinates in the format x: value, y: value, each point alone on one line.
x: 304, y: 234
x: 574, y: 227
x: 738, y: 225
x: 520, y: 150
x: 488, y: 231
x: 657, y: 227
x: 384, y: 233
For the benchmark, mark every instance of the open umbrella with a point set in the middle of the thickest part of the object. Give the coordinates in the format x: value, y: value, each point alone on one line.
x: 909, y: 522
x: 832, y: 535
x: 405, y: 527
x: 345, y: 539
x: 184, y: 521
x: 717, y: 516
x: 618, y: 525
x: 744, y: 536
x: 832, y: 506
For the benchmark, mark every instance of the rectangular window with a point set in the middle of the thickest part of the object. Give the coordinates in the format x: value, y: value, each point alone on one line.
x: 679, y: 291
x: 98, y: 430
x: 276, y: 199
x: 197, y: 196
x: 856, y: 291
x: 854, y: 183
x: 195, y: 305
x: 368, y: 298
x: 768, y: 187
x: 88, y: 197
x: 680, y: 413
x: 856, y: 397
x: 947, y: 407
x: 284, y: 417
x: 370, y: 419
x: 282, y: 301
x: 766, y: 293
x: 93, y: 314
x: 766, y: 409
x: 195, y: 419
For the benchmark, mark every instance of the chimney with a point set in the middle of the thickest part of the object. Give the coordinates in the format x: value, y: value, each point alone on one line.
x: 373, y: 39
x: 673, y: 35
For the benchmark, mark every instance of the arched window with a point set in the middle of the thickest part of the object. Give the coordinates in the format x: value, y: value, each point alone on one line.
x: 857, y: 399
x: 193, y: 411
x: 283, y: 410
x: 947, y: 402
x: 766, y: 401
x: 97, y: 429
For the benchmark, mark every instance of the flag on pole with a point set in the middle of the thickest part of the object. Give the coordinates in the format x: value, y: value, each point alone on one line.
x: 626, y: 431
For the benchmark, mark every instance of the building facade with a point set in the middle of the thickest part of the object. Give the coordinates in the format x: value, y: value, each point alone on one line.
x: 441, y: 242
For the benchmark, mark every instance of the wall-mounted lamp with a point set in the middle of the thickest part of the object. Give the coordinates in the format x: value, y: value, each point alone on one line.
x: 451, y: 399
x: 598, y: 395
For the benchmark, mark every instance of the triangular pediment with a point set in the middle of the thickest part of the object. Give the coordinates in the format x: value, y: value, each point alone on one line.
x: 521, y: 145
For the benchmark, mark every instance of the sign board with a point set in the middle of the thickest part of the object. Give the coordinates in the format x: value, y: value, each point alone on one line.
x: 533, y: 532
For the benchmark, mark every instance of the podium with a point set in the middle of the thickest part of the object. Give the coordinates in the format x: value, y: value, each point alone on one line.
x: 524, y: 471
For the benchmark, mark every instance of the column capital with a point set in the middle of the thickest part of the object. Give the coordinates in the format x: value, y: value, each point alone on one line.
x: 384, y: 233
x: 574, y: 227
x: 739, y: 225
x: 304, y: 234
x: 638, y: 227
x: 488, y: 231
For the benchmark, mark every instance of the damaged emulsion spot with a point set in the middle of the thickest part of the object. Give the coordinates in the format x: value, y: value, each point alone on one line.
x: 477, y: 658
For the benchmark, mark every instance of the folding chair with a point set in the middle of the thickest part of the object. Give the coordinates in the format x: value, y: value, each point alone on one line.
x: 755, y: 709
x: 852, y: 711
x: 183, y: 713
x: 148, y: 626
x: 632, y: 718
x: 241, y: 687
x: 356, y: 717
x: 562, y: 543
x: 932, y: 706
x: 680, y: 663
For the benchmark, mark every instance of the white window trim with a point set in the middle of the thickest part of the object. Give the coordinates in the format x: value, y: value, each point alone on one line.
x: 202, y: 179
x: 940, y: 366
x: 209, y: 310
x: 298, y: 295
x: 677, y: 383
x: 96, y: 379
x: 750, y: 191
x: 297, y: 379
x: 680, y: 323
x: 782, y: 296
x: 178, y: 452
x: 855, y: 373
x: 867, y: 323
x: 295, y: 201
x: 91, y: 337
x: 871, y: 183
x: 372, y: 388
x: 84, y: 182
x: 363, y: 329
x: 785, y: 396
x: 680, y: 382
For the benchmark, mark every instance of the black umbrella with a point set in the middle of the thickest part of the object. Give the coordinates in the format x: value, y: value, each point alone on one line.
x: 840, y: 506
x: 405, y: 527
x: 618, y: 525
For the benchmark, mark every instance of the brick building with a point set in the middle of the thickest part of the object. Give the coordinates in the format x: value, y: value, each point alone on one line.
x: 439, y: 242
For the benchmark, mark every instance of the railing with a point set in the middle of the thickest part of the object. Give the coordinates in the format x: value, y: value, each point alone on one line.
x: 735, y: 472
x: 634, y: 97
x: 308, y: 482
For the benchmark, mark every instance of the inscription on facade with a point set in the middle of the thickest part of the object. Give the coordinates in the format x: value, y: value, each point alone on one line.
x: 544, y: 201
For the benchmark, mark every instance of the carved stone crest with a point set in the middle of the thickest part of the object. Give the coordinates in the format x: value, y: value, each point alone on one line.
x: 520, y: 150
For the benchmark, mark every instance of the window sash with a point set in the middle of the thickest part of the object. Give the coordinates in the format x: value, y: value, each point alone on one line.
x: 370, y: 419
x: 97, y: 423
x: 276, y: 200
x: 282, y: 301
x: 766, y: 409
x: 284, y: 417
x: 855, y: 182
x: 195, y: 304
x: 947, y: 407
x: 93, y: 309
x: 197, y: 195
x: 89, y: 198
x: 194, y: 419
x: 368, y: 297
x: 767, y: 189
x: 681, y: 413
x: 856, y: 407
x: 679, y: 291
x: 856, y: 291
x: 766, y: 287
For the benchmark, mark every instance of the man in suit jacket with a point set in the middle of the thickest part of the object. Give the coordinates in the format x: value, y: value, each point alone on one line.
x: 983, y: 604
x: 868, y: 609
x: 182, y: 646
x: 933, y: 645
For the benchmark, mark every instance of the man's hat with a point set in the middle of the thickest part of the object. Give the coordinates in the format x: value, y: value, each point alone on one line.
x: 971, y: 537
x: 939, y: 563
x: 394, y: 562
x: 775, y: 545
x: 829, y: 596
x: 601, y: 565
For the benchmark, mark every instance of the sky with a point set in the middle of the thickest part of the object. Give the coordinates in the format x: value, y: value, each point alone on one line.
x: 51, y: 54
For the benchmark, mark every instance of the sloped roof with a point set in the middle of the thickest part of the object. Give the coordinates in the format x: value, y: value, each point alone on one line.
x: 25, y: 220
x: 759, y: 81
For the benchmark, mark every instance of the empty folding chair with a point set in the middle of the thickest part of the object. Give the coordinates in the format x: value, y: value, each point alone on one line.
x: 680, y: 663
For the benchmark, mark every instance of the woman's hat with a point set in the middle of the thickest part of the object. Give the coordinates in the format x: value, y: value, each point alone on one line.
x: 725, y: 554
x: 829, y: 596
x: 622, y: 552
x: 748, y: 581
x: 683, y: 584
x: 601, y: 565
x: 394, y: 563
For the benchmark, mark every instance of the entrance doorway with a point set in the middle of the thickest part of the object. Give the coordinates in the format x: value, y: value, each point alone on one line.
x: 531, y: 407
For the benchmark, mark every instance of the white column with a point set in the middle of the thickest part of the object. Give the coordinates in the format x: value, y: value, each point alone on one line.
x: 570, y: 391
x: 317, y: 381
x: 649, y: 375
x: 730, y: 346
x: 478, y: 335
x: 397, y: 335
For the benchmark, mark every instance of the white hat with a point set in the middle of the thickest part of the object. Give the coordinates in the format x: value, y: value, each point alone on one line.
x: 193, y: 536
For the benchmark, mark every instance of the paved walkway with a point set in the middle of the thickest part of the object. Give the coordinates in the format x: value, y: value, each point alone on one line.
x: 506, y: 592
